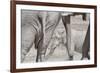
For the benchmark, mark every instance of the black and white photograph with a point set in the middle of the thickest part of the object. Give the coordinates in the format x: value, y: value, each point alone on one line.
x: 50, y: 36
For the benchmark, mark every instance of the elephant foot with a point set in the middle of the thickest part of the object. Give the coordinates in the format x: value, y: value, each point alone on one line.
x: 85, y: 58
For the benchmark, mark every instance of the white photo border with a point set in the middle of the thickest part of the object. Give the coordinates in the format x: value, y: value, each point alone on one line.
x: 20, y: 65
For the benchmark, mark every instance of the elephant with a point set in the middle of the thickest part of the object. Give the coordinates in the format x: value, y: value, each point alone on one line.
x: 37, y: 28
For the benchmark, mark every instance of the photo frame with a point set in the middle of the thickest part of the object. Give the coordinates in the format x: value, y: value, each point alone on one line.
x: 31, y: 19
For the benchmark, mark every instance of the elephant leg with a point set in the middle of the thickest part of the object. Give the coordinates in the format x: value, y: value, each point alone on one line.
x: 86, y: 45
x: 70, y: 43
x: 27, y: 39
x: 69, y: 47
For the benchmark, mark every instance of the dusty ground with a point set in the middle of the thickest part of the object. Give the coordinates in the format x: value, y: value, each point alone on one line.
x: 58, y: 55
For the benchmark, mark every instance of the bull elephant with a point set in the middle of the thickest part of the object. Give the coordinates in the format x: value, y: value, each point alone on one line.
x: 37, y: 28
